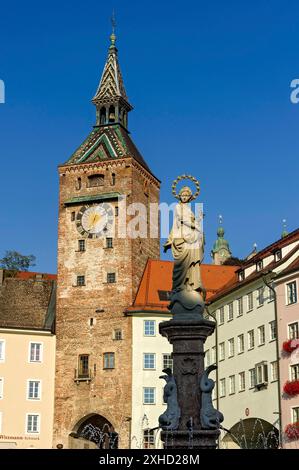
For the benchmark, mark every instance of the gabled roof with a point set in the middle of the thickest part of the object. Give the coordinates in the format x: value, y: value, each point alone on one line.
x: 157, y: 279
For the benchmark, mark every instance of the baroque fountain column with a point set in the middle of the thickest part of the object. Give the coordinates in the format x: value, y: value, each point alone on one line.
x: 190, y: 420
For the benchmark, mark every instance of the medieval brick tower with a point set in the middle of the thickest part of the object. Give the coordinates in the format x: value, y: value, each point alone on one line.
x: 98, y: 272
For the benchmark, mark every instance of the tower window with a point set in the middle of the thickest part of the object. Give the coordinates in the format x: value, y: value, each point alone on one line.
x: 83, y: 366
x: 80, y: 280
x: 111, y: 278
x: 95, y: 180
x: 113, y: 179
x: 103, y: 116
x: 73, y: 216
x: 79, y: 183
x: 81, y: 245
x: 112, y: 114
x: 109, y: 242
x: 91, y: 322
x: 116, y: 211
x: 109, y: 360
x: 117, y: 335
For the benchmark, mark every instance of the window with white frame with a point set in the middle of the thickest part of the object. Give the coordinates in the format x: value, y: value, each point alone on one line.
x: 207, y: 358
x: 251, y: 378
x: 149, y: 361
x: 221, y: 315
x: 148, y: 439
x: 259, y: 265
x: 232, y: 384
x: 35, y: 352
x: 33, y: 423
x: 260, y: 296
x: 274, y: 371
x: 295, y: 414
x: 249, y: 301
x: 261, y: 335
x: 241, y: 276
x: 1, y: 387
x: 240, y: 306
x: 167, y: 361
x: 221, y: 352
x: 291, y: 293
x: 261, y: 373
x: 222, y: 388
x: 2, y: 350
x: 230, y: 315
x: 231, y: 347
x: 240, y: 344
x: 241, y: 381
x: 272, y: 326
x: 149, y: 327
x: 294, y: 369
x: 213, y: 358
x: 293, y: 330
x: 33, y: 389
x: 277, y: 255
x: 250, y: 339
x: 149, y: 395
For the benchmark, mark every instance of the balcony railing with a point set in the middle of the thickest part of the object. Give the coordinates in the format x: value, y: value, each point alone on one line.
x: 82, y: 376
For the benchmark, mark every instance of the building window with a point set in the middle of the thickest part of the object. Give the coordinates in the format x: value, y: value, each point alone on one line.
x: 294, y: 371
x: 249, y: 301
x: 230, y: 311
x: 241, y: 276
x: 148, y: 439
x: 80, y: 281
x: 221, y: 352
x: 241, y: 381
x: 1, y: 387
x: 231, y: 347
x: 33, y: 423
x: 295, y: 414
x: 118, y: 335
x: 221, y: 315
x: 213, y: 355
x: 149, y: 361
x: 78, y: 184
x: 116, y: 211
x: 260, y: 297
x: 261, y: 335
x: 261, y: 374
x: 2, y: 350
x: 274, y: 371
x: 35, y: 352
x: 149, y: 395
x: 240, y: 344
x: 73, y: 216
x: 207, y: 358
x: 293, y: 331
x: 109, y: 242
x: 259, y: 265
x: 83, y: 366
x: 251, y: 339
x: 240, y: 306
x: 291, y: 290
x: 251, y: 378
x: 113, y: 178
x: 167, y: 361
x: 222, y: 388
x: 111, y: 278
x: 232, y: 384
x: 34, y: 390
x: 96, y: 180
x: 109, y: 360
x: 272, y: 325
x: 277, y: 255
x: 81, y: 245
x: 149, y: 327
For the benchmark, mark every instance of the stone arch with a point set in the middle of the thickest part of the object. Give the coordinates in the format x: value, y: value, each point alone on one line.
x: 93, y: 431
x: 251, y: 433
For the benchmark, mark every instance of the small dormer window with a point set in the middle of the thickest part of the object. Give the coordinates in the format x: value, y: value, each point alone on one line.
x: 259, y: 265
x: 277, y: 255
x: 241, y: 276
x: 95, y: 180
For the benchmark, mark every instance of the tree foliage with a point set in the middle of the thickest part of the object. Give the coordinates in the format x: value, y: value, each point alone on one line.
x: 15, y: 261
x: 233, y: 261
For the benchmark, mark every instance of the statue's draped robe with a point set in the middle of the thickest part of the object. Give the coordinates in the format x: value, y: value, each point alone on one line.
x: 186, y: 240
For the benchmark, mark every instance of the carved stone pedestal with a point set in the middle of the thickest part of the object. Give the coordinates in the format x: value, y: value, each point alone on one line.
x: 188, y: 338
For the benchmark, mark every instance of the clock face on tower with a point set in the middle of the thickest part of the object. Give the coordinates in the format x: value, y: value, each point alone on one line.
x: 95, y: 221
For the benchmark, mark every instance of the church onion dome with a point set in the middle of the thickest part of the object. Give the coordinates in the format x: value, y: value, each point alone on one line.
x: 220, y: 243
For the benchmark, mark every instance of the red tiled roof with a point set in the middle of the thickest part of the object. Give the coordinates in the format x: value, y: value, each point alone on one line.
x: 31, y: 275
x: 157, y: 277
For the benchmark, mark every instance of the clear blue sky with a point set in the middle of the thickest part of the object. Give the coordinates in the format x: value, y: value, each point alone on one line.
x: 210, y: 83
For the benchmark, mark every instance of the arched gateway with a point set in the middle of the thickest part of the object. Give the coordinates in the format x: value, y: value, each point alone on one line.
x: 93, y: 431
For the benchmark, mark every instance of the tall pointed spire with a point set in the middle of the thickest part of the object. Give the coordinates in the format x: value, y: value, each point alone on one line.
x: 111, y: 101
x: 221, y: 251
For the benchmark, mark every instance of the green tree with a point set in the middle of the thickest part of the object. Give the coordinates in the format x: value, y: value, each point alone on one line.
x: 14, y: 261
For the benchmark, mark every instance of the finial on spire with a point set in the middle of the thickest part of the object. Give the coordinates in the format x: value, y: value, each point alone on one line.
x: 284, y: 228
x: 113, y: 23
x: 220, y: 218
